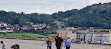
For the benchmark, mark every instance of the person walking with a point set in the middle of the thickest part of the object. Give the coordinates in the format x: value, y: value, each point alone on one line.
x: 3, y: 45
x: 58, y: 41
x: 61, y: 45
x: 68, y: 43
x: 15, y: 46
x: 49, y: 43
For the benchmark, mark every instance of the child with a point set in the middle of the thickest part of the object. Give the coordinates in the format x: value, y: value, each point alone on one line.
x: 3, y: 45
x: 49, y: 43
x: 68, y: 43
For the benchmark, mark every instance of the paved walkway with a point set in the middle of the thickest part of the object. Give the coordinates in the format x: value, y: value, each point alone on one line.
x: 30, y: 44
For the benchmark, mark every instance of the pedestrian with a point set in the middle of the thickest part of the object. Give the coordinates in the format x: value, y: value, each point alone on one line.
x: 61, y: 45
x: 3, y: 45
x: 68, y: 43
x: 58, y: 41
x: 15, y: 46
x: 49, y: 43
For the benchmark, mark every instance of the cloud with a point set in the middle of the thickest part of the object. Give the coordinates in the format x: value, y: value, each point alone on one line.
x: 45, y: 6
x: 92, y: 2
x: 98, y: 1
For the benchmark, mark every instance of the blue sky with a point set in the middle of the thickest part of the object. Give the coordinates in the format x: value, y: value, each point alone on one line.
x: 45, y: 6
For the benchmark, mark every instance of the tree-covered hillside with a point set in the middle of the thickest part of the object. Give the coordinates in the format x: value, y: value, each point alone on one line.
x: 97, y: 15
x: 21, y: 18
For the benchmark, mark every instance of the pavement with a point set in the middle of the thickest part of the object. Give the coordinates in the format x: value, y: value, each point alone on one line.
x: 33, y: 44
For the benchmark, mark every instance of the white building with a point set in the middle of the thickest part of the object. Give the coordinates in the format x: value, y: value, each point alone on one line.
x: 89, y: 36
x: 67, y: 32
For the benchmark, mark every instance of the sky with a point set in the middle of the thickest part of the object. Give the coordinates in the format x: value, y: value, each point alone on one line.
x: 45, y: 6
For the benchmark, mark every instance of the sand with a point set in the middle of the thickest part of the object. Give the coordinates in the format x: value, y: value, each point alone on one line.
x: 33, y: 44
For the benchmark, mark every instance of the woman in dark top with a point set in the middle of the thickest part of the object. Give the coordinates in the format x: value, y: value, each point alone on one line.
x: 58, y: 41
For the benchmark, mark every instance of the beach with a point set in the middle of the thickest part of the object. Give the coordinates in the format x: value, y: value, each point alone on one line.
x: 34, y: 44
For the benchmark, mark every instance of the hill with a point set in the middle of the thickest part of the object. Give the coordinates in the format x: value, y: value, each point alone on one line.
x: 22, y: 18
x: 97, y: 15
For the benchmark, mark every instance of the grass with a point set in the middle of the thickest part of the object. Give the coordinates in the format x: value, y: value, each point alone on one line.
x: 102, y: 29
x: 58, y: 30
x: 52, y: 35
x: 99, y: 29
x: 32, y: 35
x: 22, y: 35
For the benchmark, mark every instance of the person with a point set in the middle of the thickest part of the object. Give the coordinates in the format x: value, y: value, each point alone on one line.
x: 49, y: 43
x: 3, y: 45
x: 15, y: 46
x: 61, y: 45
x: 68, y: 43
x: 58, y: 41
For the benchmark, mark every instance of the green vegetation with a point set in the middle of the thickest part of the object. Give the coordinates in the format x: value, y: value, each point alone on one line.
x: 22, y: 35
x: 102, y: 29
x: 97, y: 15
x: 44, y: 31
x: 52, y: 35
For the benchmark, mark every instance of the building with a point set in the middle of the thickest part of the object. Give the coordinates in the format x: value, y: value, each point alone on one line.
x: 59, y: 24
x: 9, y: 27
x: 67, y: 32
x: 38, y: 26
x: 31, y: 23
x: 4, y: 27
x: 98, y: 37
x: 3, y: 24
x: 86, y: 36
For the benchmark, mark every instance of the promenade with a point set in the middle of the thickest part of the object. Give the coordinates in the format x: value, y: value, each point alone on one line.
x: 33, y: 44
